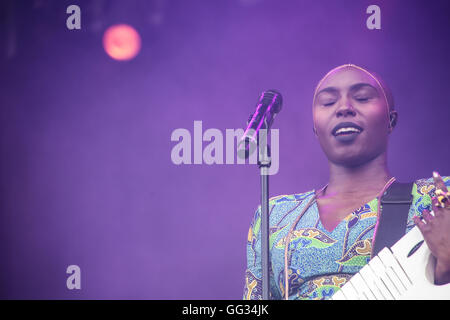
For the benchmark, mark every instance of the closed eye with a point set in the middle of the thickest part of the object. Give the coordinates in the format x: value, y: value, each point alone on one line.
x: 329, y: 104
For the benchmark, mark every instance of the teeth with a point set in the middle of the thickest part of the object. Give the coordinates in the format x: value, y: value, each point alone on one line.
x: 344, y: 130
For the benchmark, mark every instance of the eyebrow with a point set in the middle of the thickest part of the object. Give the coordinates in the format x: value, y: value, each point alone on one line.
x: 354, y: 87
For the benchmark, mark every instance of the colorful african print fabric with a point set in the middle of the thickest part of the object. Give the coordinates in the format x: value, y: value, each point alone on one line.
x: 320, y: 262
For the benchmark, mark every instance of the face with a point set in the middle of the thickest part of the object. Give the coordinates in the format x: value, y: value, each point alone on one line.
x: 351, y: 117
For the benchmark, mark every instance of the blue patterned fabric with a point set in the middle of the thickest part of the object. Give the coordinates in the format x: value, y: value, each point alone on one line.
x: 320, y: 262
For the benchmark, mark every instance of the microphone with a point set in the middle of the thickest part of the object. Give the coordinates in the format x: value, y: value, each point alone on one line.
x: 267, y: 107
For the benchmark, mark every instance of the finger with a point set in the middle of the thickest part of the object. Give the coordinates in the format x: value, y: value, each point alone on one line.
x: 420, y: 224
x: 439, y: 182
x: 427, y: 216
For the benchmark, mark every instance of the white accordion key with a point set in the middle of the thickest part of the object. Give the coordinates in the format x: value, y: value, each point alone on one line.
x: 339, y: 295
x: 399, y: 270
x: 380, y: 270
x: 350, y: 292
x: 361, y: 287
x: 394, y: 270
x: 374, y: 283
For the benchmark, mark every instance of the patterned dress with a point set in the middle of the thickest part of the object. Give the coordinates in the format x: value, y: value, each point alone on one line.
x: 320, y: 262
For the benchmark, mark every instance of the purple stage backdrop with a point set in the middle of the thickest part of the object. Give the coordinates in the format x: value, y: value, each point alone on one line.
x: 87, y: 177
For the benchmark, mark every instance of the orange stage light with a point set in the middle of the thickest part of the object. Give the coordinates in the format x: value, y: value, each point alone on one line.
x: 121, y: 42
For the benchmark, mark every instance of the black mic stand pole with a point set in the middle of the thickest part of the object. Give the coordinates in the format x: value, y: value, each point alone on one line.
x: 264, y: 162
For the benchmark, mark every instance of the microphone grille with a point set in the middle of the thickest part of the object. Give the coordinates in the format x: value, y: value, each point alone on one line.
x: 267, y: 98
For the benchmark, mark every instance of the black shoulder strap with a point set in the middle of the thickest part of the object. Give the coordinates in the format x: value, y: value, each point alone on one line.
x: 393, y: 215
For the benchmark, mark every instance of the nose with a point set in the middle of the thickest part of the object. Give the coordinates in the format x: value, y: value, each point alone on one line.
x: 345, y: 109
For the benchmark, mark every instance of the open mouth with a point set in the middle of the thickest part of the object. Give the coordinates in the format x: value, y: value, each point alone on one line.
x: 346, y: 128
x: 346, y: 131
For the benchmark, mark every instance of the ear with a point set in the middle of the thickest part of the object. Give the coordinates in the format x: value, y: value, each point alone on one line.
x: 315, y: 131
x: 393, y: 117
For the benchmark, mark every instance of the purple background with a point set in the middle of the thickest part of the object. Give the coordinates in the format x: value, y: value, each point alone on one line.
x: 86, y: 173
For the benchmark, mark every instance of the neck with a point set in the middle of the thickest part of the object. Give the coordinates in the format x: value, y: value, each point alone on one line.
x: 366, y: 179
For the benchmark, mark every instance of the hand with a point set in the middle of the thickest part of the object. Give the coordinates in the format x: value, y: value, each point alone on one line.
x: 436, y: 231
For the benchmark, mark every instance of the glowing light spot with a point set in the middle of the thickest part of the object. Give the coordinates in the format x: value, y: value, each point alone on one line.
x: 122, y: 42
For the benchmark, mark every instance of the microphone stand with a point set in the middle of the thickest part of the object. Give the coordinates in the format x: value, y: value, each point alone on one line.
x: 264, y: 162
